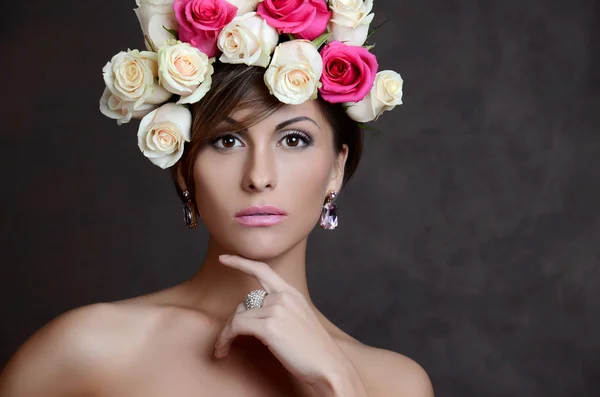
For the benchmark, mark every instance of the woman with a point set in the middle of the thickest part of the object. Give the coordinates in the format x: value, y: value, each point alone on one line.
x: 261, y: 164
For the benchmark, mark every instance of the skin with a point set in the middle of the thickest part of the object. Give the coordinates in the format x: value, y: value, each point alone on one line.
x: 196, y: 338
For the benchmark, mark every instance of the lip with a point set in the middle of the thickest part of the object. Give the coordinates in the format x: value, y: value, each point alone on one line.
x: 267, y: 215
x: 265, y: 209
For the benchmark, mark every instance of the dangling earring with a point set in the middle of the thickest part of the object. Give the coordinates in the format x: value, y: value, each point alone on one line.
x: 329, y: 214
x: 189, y: 213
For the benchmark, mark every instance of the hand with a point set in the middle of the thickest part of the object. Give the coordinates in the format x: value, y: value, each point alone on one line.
x: 285, y: 323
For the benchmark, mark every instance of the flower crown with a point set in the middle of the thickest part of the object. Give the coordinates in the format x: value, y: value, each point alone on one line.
x: 307, y: 47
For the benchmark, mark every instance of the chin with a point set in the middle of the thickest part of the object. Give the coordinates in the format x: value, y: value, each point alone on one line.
x: 257, y: 253
x: 260, y: 244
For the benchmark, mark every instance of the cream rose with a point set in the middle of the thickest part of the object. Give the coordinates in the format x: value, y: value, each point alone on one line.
x: 350, y: 21
x: 294, y: 73
x: 153, y: 15
x: 385, y: 95
x: 184, y: 70
x: 131, y: 76
x: 244, y: 6
x: 120, y: 110
x: 247, y: 39
x: 163, y: 132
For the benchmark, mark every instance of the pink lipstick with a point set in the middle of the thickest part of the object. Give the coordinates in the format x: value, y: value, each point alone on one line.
x: 260, y: 216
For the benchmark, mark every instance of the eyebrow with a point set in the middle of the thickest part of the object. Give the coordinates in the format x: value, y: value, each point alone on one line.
x: 282, y: 124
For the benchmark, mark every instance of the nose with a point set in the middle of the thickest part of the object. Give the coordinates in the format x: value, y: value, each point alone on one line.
x: 260, y: 173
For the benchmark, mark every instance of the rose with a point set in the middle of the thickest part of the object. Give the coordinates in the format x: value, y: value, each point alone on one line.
x: 350, y: 21
x: 348, y: 72
x: 306, y: 19
x: 201, y: 21
x: 153, y: 15
x: 244, y: 6
x: 351, y: 13
x: 247, y: 39
x: 130, y: 76
x: 120, y: 110
x: 163, y: 132
x: 385, y: 95
x: 294, y: 72
x: 184, y: 70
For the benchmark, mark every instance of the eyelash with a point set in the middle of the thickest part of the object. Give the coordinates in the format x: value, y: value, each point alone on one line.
x: 295, y: 133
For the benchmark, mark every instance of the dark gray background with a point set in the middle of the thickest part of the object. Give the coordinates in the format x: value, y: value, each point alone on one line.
x: 469, y: 238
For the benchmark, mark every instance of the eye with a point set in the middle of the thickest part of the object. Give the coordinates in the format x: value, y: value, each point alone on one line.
x: 226, y: 142
x: 294, y: 139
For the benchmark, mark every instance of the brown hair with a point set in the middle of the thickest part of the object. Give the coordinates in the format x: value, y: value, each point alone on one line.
x: 238, y: 86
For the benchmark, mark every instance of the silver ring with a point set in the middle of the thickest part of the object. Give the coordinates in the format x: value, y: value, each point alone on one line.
x: 255, y: 299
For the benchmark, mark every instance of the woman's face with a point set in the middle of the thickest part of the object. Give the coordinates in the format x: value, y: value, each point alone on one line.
x: 287, y: 161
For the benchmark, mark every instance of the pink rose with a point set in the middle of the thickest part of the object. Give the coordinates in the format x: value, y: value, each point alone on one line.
x: 348, y: 72
x: 201, y: 21
x: 306, y: 19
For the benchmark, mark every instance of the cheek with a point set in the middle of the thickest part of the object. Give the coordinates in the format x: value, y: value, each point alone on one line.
x: 304, y: 181
x: 215, y: 183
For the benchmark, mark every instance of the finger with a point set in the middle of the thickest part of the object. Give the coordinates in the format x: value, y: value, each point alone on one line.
x: 260, y: 312
x: 240, y: 326
x: 241, y: 307
x: 239, y: 310
x: 267, y: 277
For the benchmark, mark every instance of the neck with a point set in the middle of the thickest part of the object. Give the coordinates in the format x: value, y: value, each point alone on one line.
x: 216, y: 290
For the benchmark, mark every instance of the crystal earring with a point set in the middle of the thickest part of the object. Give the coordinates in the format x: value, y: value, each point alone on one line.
x: 189, y: 213
x: 329, y: 214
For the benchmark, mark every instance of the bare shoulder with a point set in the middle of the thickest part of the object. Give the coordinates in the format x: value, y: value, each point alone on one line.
x: 387, y: 373
x: 60, y: 356
x: 82, y: 348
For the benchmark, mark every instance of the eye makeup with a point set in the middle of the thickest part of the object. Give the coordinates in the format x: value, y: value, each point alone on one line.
x: 217, y: 142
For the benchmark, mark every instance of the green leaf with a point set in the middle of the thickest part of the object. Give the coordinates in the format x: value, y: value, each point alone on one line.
x: 172, y: 31
x: 366, y: 127
x: 150, y: 43
x: 372, y: 30
x: 322, y: 39
x: 368, y: 47
x: 291, y: 37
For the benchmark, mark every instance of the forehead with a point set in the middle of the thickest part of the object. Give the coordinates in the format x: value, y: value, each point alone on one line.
x: 310, y: 109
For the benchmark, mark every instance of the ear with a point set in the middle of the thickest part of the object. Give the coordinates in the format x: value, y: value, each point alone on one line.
x: 337, y: 176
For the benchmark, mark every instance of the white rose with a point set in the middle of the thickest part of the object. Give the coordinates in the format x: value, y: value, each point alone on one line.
x: 153, y: 15
x: 131, y: 76
x: 385, y: 95
x: 120, y: 110
x: 184, y: 70
x: 163, y: 132
x: 350, y: 21
x: 350, y: 36
x: 351, y: 13
x: 247, y: 39
x: 244, y: 6
x: 294, y: 73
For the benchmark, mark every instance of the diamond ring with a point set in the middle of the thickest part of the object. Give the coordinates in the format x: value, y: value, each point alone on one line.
x: 255, y: 299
